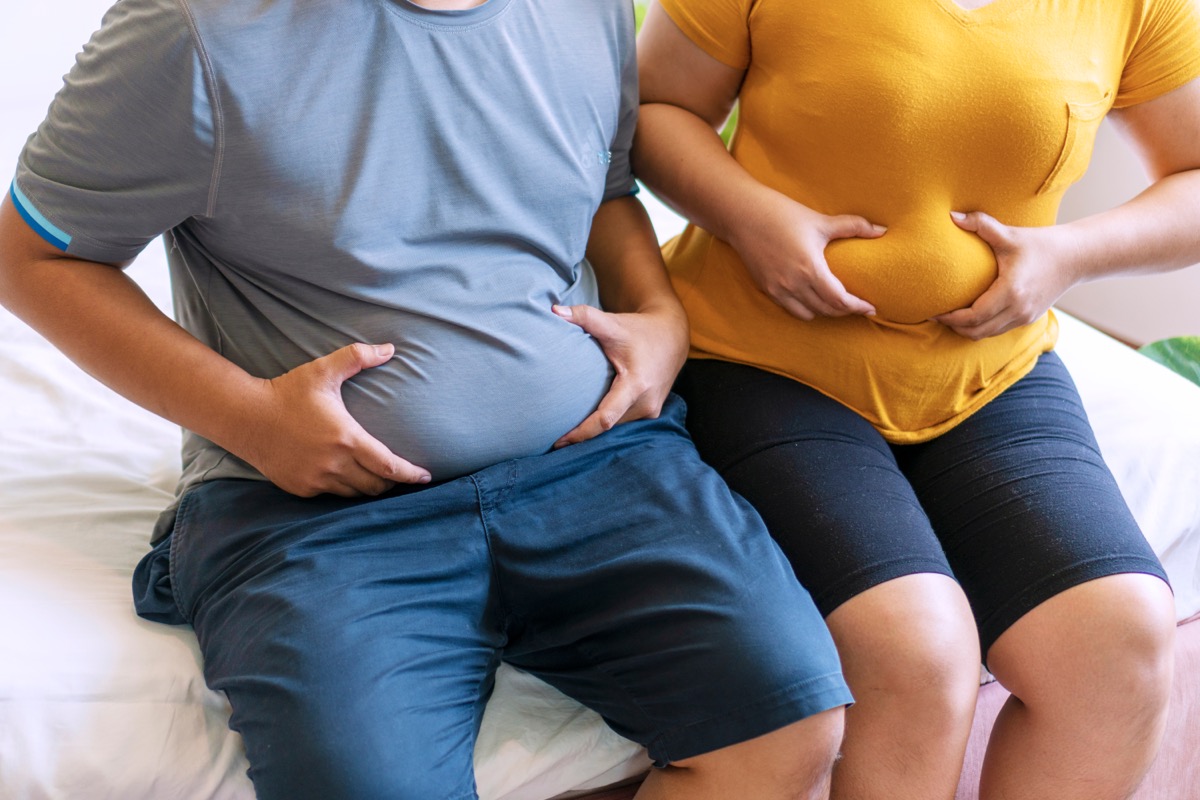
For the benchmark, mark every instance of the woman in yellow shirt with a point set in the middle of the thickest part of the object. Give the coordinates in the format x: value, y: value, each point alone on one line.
x: 868, y: 277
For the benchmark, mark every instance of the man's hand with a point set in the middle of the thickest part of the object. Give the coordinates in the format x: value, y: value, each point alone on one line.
x: 782, y: 243
x: 305, y: 441
x: 647, y: 350
x: 1032, y: 275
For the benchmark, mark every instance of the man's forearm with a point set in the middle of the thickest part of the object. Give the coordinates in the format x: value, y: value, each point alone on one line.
x: 102, y: 321
x: 625, y: 255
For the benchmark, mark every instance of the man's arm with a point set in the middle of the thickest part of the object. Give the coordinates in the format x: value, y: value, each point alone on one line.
x: 294, y: 428
x: 644, y: 332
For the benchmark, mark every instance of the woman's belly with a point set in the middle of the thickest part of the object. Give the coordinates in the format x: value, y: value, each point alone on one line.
x: 923, y: 266
x: 454, y: 400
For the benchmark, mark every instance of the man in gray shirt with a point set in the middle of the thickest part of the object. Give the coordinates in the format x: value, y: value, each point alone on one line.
x: 414, y: 444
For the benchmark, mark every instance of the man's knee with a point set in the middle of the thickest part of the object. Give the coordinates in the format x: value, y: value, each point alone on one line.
x: 325, y: 743
x: 791, y: 763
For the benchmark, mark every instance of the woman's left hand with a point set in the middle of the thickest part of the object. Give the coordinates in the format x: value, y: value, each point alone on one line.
x: 1032, y: 273
x: 647, y: 349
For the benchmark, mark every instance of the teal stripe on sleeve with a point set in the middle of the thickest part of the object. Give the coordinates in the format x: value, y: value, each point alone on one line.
x: 36, y: 220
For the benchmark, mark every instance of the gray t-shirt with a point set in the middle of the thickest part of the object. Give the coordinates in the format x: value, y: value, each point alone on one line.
x: 359, y: 170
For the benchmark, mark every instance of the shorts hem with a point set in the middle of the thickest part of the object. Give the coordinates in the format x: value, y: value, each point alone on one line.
x: 798, y: 701
x: 1033, y: 596
x: 862, y: 580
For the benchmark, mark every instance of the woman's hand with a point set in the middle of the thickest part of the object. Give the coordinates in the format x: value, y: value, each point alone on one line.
x: 782, y: 243
x: 647, y: 350
x: 1032, y: 273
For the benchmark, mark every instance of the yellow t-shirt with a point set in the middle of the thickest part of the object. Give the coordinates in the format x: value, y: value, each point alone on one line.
x: 902, y: 112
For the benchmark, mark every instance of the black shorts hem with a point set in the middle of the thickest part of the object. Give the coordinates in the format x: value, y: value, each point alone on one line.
x: 870, y: 577
x: 1003, y: 618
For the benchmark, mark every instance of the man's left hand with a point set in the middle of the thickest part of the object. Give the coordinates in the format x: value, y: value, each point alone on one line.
x: 647, y: 350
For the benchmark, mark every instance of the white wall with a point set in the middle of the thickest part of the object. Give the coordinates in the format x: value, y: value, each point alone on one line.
x: 1139, y: 309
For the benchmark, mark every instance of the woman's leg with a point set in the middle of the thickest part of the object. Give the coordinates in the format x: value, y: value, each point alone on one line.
x: 831, y: 493
x: 1074, y: 612
x: 911, y: 657
x: 1090, y: 672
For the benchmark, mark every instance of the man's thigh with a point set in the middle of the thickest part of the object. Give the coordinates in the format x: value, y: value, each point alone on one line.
x: 638, y: 583
x: 355, y: 639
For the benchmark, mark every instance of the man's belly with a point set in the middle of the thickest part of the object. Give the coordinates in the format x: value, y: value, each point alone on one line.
x: 455, y: 401
x: 923, y: 266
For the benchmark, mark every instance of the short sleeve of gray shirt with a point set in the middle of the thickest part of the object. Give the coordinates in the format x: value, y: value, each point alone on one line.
x: 127, y: 150
x: 129, y: 147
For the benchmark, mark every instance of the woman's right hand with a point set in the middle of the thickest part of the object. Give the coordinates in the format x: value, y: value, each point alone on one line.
x: 687, y: 96
x: 782, y: 243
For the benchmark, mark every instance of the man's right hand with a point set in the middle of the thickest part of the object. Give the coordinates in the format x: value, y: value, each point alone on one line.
x: 306, y: 442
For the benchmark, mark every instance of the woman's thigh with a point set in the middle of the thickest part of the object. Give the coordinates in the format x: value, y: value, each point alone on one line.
x: 1022, y: 501
x: 825, y: 482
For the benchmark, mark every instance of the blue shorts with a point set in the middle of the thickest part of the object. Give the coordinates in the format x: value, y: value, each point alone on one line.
x: 357, y: 639
x: 1015, y: 502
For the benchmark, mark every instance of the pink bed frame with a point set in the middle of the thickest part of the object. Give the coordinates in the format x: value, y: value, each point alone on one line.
x: 1175, y: 774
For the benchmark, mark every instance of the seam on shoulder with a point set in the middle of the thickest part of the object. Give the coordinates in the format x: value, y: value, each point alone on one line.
x: 214, y: 98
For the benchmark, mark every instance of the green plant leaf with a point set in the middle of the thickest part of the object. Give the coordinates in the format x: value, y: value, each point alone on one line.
x: 1180, y: 354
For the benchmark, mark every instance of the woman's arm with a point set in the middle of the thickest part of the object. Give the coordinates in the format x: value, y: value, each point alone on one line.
x: 686, y: 97
x: 1157, y: 231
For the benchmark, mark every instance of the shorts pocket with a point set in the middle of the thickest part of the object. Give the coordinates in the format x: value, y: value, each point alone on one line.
x: 178, y: 535
x: 1083, y: 121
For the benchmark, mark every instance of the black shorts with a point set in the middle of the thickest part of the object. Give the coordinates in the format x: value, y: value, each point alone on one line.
x: 1016, y: 502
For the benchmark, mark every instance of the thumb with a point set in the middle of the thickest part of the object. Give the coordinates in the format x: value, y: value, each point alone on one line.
x: 982, y: 225
x: 849, y: 226
x: 596, y: 322
x: 354, y: 358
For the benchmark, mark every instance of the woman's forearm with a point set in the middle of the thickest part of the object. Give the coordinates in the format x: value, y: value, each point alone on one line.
x: 625, y: 256
x: 1157, y: 231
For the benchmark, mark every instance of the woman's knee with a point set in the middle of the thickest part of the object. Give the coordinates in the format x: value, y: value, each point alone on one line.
x: 1115, y: 635
x: 911, y: 643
